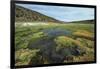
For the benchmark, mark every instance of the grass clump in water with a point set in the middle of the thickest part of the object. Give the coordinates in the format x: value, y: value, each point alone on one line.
x: 23, y: 56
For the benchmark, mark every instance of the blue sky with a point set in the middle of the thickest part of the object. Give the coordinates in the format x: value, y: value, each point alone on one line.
x: 62, y: 13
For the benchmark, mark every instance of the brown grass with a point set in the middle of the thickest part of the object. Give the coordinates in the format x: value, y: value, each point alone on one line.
x: 84, y: 34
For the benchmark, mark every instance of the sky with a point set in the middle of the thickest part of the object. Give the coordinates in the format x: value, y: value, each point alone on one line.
x: 63, y: 13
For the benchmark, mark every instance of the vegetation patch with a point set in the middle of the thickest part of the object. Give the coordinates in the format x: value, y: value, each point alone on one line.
x: 23, y: 56
x: 84, y: 34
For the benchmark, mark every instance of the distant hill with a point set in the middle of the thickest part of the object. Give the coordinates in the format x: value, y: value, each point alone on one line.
x: 84, y: 21
x: 26, y: 15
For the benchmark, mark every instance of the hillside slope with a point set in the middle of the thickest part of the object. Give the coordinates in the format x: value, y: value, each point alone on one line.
x: 26, y: 15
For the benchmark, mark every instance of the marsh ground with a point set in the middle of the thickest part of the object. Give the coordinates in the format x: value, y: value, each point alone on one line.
x: 47, y: 43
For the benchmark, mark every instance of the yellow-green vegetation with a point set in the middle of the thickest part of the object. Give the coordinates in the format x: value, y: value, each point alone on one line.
x: 84, y: 45
x: 83, y: 58
x: 37, y: 36
x: 84, y: 34
x: 23, y: 56
x: 34, y: 46
x: 64, y: 42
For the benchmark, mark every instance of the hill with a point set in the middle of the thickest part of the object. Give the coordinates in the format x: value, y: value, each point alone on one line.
x: 26, y: 15
x: 84, y: 21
